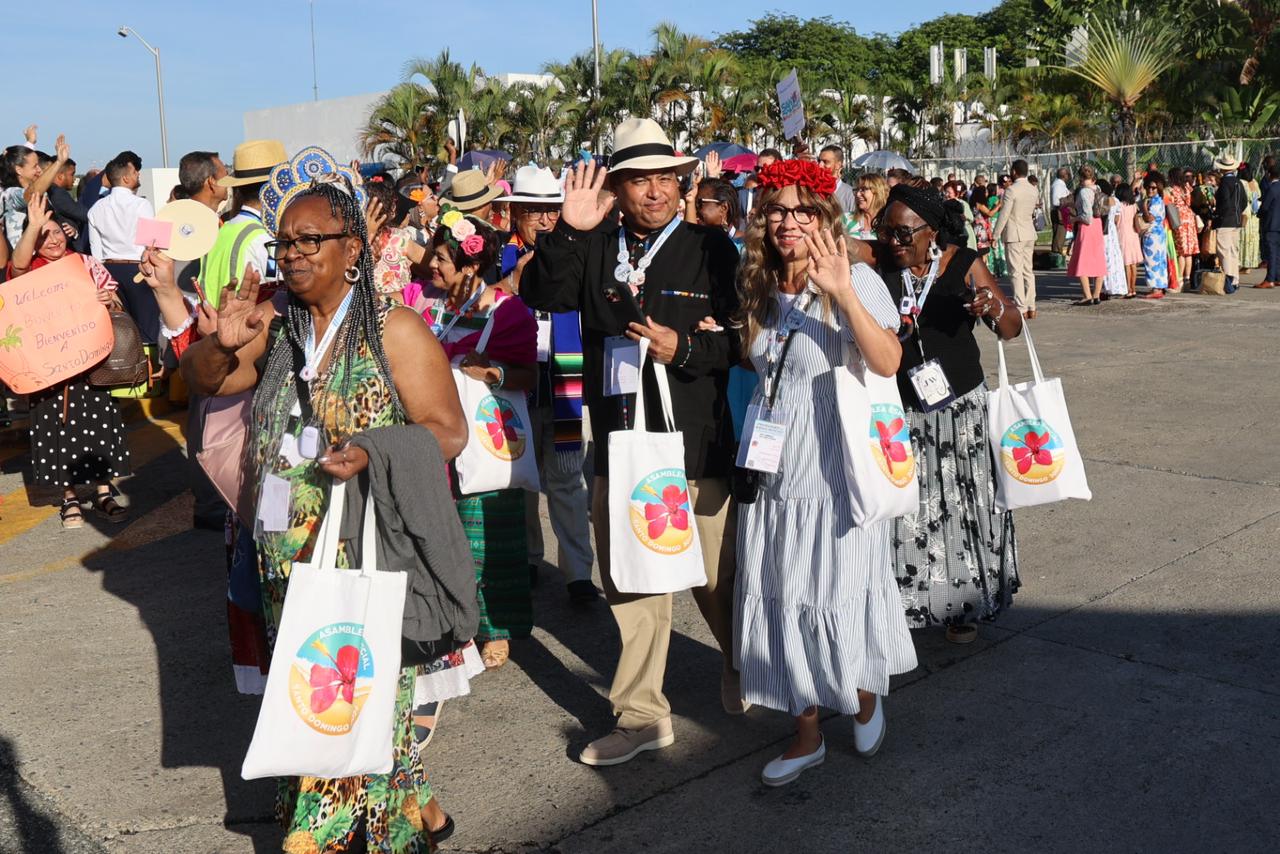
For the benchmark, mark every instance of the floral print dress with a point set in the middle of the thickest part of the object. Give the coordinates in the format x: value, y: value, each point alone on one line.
x: 323, y: 815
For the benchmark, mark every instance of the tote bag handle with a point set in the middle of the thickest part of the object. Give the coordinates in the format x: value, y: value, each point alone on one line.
x: 664, y: 392
x: 326, y: 554
x: 488, y: 327
x: 1031, y: 351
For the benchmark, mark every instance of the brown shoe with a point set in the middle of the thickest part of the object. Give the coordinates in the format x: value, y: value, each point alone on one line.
x: 623, y: 745
x: 1032, y: 314
x: 1265, y: 285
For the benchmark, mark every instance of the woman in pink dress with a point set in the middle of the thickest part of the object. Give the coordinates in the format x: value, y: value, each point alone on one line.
x: 1130, y: 240
x: 1186, y: 238
x: 1088, y: 251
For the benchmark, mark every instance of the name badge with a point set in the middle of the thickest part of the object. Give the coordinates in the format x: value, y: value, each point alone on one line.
x: 289, y: 450
x: 763, y: 436
x: 273, y: 505
x: 621, y: 366
x: 544, y: 340
x: 932, y: 387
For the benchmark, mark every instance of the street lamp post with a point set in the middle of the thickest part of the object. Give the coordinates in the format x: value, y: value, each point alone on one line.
x: 124, y: 33
x: 315, y: 81
x: 595, y: 48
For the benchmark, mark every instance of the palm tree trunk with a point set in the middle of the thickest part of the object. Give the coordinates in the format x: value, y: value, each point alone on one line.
x: 1129, y: 138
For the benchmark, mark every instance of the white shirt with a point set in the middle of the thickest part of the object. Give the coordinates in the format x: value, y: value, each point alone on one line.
x: 1057, y: 192
x: 113, y: 223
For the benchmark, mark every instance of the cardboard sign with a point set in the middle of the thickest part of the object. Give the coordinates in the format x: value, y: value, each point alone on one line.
x: 52, y: 327
x: 791, y: 106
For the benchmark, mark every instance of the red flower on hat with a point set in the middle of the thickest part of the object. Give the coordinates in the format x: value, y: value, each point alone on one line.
x: 803, y: 173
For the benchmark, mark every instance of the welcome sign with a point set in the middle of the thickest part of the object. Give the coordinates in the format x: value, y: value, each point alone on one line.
x: 52, y: 327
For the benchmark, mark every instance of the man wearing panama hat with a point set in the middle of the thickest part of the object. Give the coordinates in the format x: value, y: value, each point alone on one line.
x: 1228, y: 216
x: 471, y: 193
x: 654, y: 277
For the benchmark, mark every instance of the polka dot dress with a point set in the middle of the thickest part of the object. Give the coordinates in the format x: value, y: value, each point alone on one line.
x: 88, y: 447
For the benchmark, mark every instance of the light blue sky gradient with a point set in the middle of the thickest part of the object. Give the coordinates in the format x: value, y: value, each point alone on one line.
x: 70, y: 72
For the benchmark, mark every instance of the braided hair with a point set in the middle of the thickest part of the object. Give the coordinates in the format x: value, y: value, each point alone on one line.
x: 360, y: 325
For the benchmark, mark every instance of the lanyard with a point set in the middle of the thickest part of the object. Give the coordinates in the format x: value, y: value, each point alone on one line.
x: 913, y: 300
x: 313, y: 353
x: 633, y: 274
x: 441, y: 330
x: 780, y: 340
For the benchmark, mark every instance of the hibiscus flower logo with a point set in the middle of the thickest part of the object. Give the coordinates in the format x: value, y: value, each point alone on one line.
x: 661, y: 512
x: 328, y: 682
x: 331, y: 677
x: 891, y: 443
x: 500, y: 428
x: 669, y: 508
x: 1032, y: 452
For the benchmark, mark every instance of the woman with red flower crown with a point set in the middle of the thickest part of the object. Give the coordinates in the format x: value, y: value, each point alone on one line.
x: 463, y: 250
x: 818, y: 620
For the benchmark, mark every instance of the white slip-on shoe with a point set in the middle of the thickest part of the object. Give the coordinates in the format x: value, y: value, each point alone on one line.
x: 868, y: 737
x: 781, y: 771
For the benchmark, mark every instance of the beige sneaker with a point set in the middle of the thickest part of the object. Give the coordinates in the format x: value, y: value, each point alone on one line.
x: 731, y: 693
x: 622, y: 745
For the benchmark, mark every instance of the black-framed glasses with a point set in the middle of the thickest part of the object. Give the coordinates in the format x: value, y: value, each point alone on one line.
x: 803, y: 215
x: 306, y: 244
x: 539, y: 212
x: 900, y: 235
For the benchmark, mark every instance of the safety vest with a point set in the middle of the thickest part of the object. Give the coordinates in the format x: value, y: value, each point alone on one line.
x: 229, y: 255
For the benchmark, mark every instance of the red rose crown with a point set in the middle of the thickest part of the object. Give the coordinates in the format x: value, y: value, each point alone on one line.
x: 804, y: 173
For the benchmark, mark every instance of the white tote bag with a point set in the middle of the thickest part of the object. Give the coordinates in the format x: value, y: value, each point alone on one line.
x: 328, y: 710
x: 499, y: 452
x: 653, y: 540
x: 879, y: 462
x: 1036, y: 458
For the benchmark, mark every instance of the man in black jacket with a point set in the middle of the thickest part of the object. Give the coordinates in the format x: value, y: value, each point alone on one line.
x: 1228, y: 216
x: 664, y: 279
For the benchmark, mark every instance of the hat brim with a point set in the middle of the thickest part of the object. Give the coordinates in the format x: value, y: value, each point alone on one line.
x: 656, y: 162
x: 1225, y: 166
x: 232, y: 181
x: 490, y: 196
x: 557, y: 199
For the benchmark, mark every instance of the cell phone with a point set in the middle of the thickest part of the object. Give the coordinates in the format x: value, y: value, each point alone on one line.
x: 619, y: 293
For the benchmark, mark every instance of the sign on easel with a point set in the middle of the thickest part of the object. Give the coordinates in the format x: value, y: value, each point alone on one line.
x: 52, y: 327
x: 791, y: 106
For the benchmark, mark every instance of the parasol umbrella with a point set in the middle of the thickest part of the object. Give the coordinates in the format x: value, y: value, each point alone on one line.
x: 883, y: 161
x: 740, y: 163
x: 724, y: 149
x: 481, y: 159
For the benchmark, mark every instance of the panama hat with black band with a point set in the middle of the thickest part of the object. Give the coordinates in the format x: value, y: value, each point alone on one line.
x: 639, y: 145
x: 253, y: 161
x: 471, y: 191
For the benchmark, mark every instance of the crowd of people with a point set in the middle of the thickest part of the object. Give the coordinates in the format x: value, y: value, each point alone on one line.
x: 344, y: 306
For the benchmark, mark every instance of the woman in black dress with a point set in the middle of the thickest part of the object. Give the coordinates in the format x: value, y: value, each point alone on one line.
x: 77, y: 435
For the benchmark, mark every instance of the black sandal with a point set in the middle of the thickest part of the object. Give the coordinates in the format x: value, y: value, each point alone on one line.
x: 445, y: 831
x: 106, y: 507
x: 70, y: 514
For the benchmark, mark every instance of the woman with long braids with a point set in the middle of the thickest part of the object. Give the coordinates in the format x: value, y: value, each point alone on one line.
x: 375, y: 365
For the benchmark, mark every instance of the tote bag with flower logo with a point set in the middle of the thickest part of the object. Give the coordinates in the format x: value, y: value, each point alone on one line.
x: 328, y: 709
x: 1036, y: 458
x: 499, y: 452
x: 879, y: 462
x: 653, y: 540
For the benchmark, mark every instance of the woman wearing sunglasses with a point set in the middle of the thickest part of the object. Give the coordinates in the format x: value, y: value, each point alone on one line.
x: 956, y: 558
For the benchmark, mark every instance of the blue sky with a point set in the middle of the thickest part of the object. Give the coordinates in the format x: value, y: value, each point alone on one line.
x: 222, y: 58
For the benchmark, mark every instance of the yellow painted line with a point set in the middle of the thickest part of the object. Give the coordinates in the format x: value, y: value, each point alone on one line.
x: 147, y: 442
x: 47, y: 569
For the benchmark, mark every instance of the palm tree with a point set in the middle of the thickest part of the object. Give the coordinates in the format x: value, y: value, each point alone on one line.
x: 714, y: 73
x: 452, y: 88
x: 1052, y: 119
x: 1124, y: 55
x: 673, y: 67
x: 1264, y: 18
x: 399, y: 126
x: 539, y: 118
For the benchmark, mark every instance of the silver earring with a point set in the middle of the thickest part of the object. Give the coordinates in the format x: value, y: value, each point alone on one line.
x: 934, y: 252
x: 352, y: 275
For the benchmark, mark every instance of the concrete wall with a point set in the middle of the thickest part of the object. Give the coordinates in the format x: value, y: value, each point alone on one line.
x: 333, y: 124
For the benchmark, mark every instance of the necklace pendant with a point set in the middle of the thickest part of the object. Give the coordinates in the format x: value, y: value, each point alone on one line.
x: 622, y: 272
x: 307, y: 373
x: 636, y: 279
x: 623, y: 256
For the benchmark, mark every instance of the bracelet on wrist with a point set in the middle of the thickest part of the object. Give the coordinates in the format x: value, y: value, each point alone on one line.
x: 502, y: 377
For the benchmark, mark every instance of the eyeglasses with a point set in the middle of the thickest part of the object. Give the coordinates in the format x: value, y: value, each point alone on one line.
x: 539, y: 213
x: 711, y: 202
x: 802, y: 215
x: 306, y: 244
x: 900, y: 235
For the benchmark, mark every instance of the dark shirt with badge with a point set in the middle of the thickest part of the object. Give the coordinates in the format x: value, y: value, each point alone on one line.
x: 944, y: 329
x: 692, y: 276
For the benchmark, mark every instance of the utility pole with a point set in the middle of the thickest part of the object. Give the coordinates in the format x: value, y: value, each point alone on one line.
x: 315, y: 81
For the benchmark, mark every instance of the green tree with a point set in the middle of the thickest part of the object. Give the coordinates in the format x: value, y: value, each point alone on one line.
x: 400, y: 126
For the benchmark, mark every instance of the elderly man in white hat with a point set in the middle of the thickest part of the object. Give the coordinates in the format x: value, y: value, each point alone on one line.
x: 556, y: 404
x: 653, y: 277
x: 1228, y: 216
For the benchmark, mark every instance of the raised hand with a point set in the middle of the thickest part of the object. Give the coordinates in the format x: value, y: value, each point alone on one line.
x: 712, y: 165
x: 451, y: 149
x: 583, y: 208
x: 157, y: 269
x: 491, y: 175
x: 828, y: 263
x: 61, y: 150
x: 240, y: 317
x: 375, y: 216
x: 38, y: 212
x: 30, y: 135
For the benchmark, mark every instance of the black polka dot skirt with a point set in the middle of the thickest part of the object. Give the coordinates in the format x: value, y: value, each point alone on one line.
x: 89, y: 446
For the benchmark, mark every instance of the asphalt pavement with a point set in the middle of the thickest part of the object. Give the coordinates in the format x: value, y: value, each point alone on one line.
x: 1129, y: 700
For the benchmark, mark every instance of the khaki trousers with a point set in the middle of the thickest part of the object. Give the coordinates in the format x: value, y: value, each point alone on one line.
x: 644, y: 621
x: 1229, y: 251
x: 1019, y: 255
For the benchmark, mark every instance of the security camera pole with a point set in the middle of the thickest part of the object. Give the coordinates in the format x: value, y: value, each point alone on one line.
x: 124, y: 33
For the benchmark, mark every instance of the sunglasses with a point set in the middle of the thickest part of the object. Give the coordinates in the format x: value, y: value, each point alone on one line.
x: 900, y: 235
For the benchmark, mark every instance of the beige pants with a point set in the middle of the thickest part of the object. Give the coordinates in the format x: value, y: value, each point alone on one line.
x: 644, y: 621
x: 1229, y: 252
x: 1021, y: 274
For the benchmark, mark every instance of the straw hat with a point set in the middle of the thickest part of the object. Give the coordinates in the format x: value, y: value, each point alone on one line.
x: 535, y: 186
x: 253, y: 162
x: 640, y: 144
x: 1225, y: 162
x: 470, y: 191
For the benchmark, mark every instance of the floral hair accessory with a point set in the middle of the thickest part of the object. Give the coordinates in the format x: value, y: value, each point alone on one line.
x: 450, y: 217
x: 802, y: 173
x: 473, y: 245
x: 462, y: 229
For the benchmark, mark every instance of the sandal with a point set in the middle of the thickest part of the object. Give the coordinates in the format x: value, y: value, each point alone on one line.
x: 445, y: 831
x: 966, y: 633
x: 495, y: 656
x: 106, y: 507
x: 71, y: 515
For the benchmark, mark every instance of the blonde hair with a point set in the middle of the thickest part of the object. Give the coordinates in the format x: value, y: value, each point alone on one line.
x: 879, y: 188
x: 762, y: 266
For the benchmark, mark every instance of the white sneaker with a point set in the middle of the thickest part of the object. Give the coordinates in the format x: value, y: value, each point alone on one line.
x: 868, y: 737
x: 781, y: 771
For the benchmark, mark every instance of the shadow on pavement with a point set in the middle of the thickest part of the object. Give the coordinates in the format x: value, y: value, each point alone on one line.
x: 32, y: 829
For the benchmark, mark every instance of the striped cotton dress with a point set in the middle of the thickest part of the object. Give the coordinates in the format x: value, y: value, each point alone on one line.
x: 817, y: 613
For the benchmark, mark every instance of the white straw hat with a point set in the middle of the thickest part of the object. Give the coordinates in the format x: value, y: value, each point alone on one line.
x: 535, y: 186
x: 640, y: 144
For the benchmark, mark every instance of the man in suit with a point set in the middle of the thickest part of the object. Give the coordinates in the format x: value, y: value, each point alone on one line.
x: 1269, y: 225
x: 1016, y: 226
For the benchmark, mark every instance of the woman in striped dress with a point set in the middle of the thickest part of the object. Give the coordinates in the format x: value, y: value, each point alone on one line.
x: 817, y: 619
